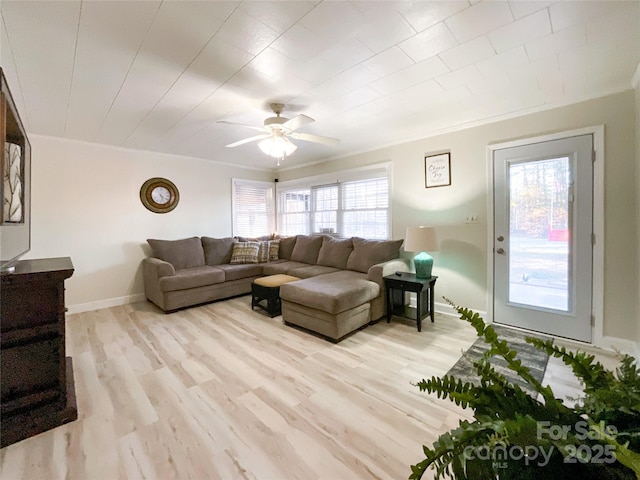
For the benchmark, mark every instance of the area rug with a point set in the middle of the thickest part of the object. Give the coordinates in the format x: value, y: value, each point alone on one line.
x: 530, y: 356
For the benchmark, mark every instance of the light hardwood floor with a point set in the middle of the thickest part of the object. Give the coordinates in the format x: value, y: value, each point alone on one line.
x: 222, y: 392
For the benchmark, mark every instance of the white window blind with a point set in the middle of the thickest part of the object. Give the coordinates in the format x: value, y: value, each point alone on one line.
x: 325, y: 205
x: 253, y: 208
x: 353, y: 207
x: 365, y: 206
x: 294, y: 210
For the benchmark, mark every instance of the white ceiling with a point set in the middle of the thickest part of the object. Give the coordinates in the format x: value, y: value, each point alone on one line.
x: 157, y: 75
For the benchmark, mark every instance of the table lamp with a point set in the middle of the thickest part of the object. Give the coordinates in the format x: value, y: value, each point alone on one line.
x: 421, y: 239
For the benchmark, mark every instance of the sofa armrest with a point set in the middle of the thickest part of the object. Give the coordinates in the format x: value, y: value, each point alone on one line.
x: 380, y: 270
x: 153, y: 269
x: 158, y: 268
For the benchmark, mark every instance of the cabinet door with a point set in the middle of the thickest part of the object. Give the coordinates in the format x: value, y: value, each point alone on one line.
x: 31, y: 369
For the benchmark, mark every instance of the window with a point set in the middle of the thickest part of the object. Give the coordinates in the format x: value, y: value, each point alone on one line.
x: 356, y: 205
x: 253, y: 208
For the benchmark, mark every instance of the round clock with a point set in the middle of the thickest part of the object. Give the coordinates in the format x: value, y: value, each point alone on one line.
x: 159, y: 195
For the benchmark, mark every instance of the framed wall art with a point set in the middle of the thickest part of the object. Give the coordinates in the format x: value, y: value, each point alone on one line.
x: 437, y: 170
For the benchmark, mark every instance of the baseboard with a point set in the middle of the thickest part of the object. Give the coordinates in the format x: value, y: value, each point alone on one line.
x: 615, y: 344
x: 446, y: 309
x: 109, y: 302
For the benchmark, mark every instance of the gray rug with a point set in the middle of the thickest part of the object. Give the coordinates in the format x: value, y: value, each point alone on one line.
x: 530, y: 356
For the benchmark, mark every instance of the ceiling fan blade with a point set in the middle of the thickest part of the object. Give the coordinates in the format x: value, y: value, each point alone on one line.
x: 308, y: 137
x: 297, y: 122
x: 261, y: 129
x: 247, y: 140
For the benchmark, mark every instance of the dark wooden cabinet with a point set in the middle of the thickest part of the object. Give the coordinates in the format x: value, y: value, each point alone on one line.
x: 36, y: 376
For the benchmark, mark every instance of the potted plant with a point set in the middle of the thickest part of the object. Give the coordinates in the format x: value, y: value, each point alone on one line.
x: 515, y: 435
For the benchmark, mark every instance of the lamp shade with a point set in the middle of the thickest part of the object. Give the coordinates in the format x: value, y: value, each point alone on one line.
x: 420, y: 239
x: 277, y: 146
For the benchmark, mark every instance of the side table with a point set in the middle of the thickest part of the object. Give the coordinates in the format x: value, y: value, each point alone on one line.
x: 398, y: 284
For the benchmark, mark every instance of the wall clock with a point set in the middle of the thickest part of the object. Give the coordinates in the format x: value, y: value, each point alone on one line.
x: 159, y: 195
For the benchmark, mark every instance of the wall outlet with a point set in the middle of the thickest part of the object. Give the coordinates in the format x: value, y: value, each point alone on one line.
x: 471, y: 219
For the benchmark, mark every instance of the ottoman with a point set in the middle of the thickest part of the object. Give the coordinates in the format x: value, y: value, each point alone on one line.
x: 332, y: 305
x: 268, y: 289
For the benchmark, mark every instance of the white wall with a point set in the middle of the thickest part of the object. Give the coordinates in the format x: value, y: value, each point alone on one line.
x: 462, y: 262
x: 86, y: 205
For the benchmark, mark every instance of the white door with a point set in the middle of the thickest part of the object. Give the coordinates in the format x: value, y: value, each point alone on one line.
x: 543, y: 224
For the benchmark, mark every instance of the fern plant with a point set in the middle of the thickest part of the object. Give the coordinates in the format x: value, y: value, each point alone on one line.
x: 518, y: 436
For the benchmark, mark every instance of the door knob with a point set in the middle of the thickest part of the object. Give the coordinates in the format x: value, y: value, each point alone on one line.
x: 500, y: 251
x: 500, y: 238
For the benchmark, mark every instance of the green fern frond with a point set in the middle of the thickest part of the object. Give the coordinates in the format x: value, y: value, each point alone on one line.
x: 501, y: 348
x: 584, y: 366
x: 450, y: 447
x: 507, y: 415
x: 461, y: 393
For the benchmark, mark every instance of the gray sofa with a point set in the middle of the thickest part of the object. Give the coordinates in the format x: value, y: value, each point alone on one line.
x: 340, y: 287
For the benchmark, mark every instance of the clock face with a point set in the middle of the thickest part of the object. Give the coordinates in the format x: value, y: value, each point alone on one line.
x: 159, y: 195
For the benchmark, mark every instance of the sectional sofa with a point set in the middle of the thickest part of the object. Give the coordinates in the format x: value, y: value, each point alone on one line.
x: 340, y: 289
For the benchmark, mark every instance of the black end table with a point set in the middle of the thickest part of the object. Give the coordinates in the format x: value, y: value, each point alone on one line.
x: 398, y: 284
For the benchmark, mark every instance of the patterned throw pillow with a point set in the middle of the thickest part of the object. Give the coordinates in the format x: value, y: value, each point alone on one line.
x: 245, y: 252
x: 274, y: 249
x: 268, y: 251
x: 263, y: 251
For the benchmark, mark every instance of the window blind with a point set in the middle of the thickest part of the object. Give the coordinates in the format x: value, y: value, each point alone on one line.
x: 253, y: 208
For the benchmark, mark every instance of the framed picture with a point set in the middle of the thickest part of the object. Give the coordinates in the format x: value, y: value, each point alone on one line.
x: 437, y: 170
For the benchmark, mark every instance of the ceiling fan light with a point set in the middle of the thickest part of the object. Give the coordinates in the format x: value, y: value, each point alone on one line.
x: 277, y: 146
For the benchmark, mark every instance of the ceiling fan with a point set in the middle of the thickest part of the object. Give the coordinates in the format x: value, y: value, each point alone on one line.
x: 276, y: 130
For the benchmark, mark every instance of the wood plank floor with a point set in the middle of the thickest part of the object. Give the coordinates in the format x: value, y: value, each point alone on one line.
x: 222, y: 392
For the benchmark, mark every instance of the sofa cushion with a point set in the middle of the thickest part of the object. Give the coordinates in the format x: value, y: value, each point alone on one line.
x: 245, y: 252
x: 311, y: 271
x: 286, y: 247
x: 217, y: 250
x: 332, y: 293
x: 191, y: 278
x: 306, y: 249
x: 281, y: 266
x: 369, y: 252
x: 335, y: 252
x: 237, y: 271
x: 184, y: 253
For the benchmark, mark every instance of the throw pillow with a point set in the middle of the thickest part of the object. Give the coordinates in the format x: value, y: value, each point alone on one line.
x: 245, y: 252
x: 184, y: 253
x: 335, y: 252
x: 306, y: 249
x: 274, y: 249
x: 367, y: 253
x: 263, y: 251
x: 217, y: 251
